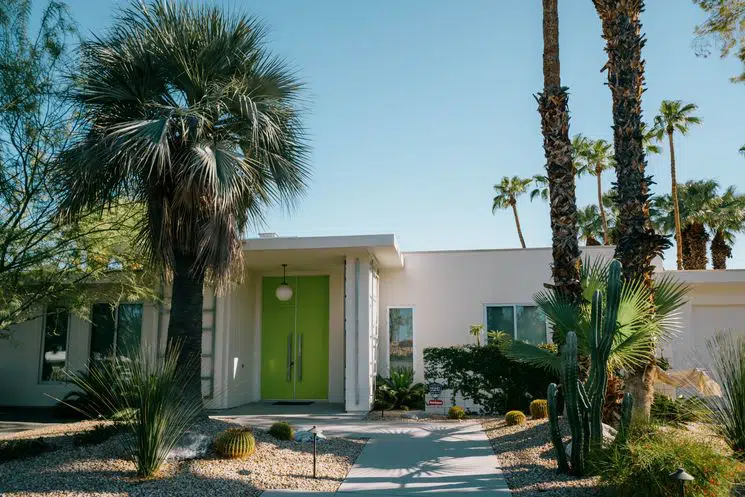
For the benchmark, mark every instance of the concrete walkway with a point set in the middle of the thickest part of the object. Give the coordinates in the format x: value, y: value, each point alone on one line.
x: 411, y: 458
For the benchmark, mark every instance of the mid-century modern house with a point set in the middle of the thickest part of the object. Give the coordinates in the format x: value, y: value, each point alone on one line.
x: 356, y: 306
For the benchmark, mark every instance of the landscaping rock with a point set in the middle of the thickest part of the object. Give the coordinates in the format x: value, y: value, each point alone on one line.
x: 307, y: 436
x: 191, y: 446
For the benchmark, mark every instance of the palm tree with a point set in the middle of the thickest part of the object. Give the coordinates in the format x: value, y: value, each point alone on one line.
x: 649, y: 141
x: 637, y: 243
x: 540, y: 187
x: 507, y: 192
x: 675, y: 115
x: 726, y: 220
x: 553, y: 104
x: 590, y: 225
x: 596, y: 157
x: 188, y: 113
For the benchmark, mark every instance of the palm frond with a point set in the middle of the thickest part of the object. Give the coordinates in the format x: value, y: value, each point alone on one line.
x: 535, y: 356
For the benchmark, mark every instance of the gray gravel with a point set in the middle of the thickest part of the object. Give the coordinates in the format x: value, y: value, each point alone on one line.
x: 103, y: 470
x: 525, y: 454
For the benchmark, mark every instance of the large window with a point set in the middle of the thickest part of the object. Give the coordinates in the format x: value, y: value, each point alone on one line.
x: 526, y: 323
x: 401, y: 333
x: 54, y: 344
x: 115, y: 330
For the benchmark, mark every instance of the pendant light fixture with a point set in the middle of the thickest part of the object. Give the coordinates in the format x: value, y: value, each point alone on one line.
x: 284, y: 291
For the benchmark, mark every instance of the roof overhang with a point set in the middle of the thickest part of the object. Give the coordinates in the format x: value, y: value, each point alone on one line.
x: 315, y: 251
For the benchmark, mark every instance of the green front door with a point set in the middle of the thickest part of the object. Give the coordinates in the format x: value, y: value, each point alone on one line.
x: 295, y: 339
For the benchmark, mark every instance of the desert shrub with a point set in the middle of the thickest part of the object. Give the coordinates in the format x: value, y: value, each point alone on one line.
x: 399, y: 391
x: 282, y: 431
x: 539, y: 409
x: 487, y: 377
x: 513, y: 418
x: 677, y: 411
x: 236, y: 443
x: 97, y: 435
x: 22, y: 448
x: 92, y: 398
x: 728, y: 356
x: 152, y: 391
x: 456, y: 412
x: 642, y: 466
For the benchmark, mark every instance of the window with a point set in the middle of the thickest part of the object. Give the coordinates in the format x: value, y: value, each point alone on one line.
x: 54, y: 344
x: 526, y: 323
x: 115, y: 330
x: 401, y: 332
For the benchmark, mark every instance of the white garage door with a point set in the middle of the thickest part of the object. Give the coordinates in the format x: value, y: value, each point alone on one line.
x: 706, y: 321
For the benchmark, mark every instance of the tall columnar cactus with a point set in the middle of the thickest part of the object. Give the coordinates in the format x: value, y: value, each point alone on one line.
x: 626, y: 408
x: 553, y: 423
x: 584, y: 399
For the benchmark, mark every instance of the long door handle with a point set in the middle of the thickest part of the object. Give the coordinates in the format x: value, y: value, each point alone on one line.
x: 300, y: 358
x: 290, y: 363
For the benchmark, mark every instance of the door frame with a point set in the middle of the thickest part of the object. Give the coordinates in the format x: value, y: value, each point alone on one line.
x: 259, y: 321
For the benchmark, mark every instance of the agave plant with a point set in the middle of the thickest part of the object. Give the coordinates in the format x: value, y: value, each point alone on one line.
x: 642, y: 321
x: 399, y: 389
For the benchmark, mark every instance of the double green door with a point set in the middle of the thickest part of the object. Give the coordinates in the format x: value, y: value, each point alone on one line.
x: 295, y: 339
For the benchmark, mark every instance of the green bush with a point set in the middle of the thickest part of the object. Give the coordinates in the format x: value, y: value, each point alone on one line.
x: 22, y: 448
x: 97, y: 435
x: 727, y: 351
x: 487, y: 377
x: 513, y: 418
x: 642, y: 466
x: 456, y: 412
x: 152, y: 391
x: 678, y: 411
x: 282, y: 431
x: 539, y: 409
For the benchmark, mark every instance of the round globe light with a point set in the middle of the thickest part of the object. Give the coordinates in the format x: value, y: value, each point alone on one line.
x: 283, y: 292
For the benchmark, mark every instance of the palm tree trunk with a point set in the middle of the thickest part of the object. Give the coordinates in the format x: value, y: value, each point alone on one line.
x: 598, y: 174
x: 553, y: 107
x: 720, y: 251
x: 517, y: 223
x: 637, y: 243
x: 185, y: 324
x: 698, y: 241
x: 686, y: 246
x: 676, y: 207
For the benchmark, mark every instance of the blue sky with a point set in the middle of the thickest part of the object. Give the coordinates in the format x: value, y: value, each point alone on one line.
x: 416, y: 108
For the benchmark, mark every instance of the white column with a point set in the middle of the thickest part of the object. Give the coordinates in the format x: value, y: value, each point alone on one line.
x: 357, y: 371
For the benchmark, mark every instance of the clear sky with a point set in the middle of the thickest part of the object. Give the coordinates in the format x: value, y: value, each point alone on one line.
x: 417, y: 107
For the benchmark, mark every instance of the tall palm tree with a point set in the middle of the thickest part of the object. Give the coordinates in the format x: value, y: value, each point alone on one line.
x: 637, y: 243
x: 507, y: 192
x: 188, y: 113
x: 673, y: 116
x: 649, y: 141
x: 590, y: 225
x: 595, y: 157
x: 726, y: 220
x: 553, y: 104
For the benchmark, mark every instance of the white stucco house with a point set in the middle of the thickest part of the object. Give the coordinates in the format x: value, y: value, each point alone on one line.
x: 359, y: 306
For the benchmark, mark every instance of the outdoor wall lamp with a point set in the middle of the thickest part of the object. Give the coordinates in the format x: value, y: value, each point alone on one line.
x: 284, y: 291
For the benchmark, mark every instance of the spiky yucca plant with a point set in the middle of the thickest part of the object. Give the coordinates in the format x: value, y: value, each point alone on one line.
x: 188, y: 113
x: 153, y: 390
x: 727, y: 351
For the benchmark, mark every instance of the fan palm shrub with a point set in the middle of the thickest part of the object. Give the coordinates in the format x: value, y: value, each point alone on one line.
x: 154, y: 391
x: 188, y: 113
x: 400, y: 391
x: 641, y: 321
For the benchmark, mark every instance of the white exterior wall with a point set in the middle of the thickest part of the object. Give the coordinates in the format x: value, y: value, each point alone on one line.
x: 712, y: 308
x: 449, y: 292
x: 20, y: 359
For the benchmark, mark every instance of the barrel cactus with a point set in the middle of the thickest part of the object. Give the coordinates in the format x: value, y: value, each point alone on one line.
x: 513, y: 418
x: 282, y: 431
x: 539, y: 409
x: 235, y: 443
x: 456, y: 412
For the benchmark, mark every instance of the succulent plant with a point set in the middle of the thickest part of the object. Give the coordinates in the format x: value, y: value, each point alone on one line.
x: 539, y: 409
x: 236, y: 443
x: 456, y: 412
x: 513, y: 418
x: 282, y: 431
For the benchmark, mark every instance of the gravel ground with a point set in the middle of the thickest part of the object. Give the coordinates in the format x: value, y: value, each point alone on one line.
x: 525, y: 455
x: 103, y: 470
